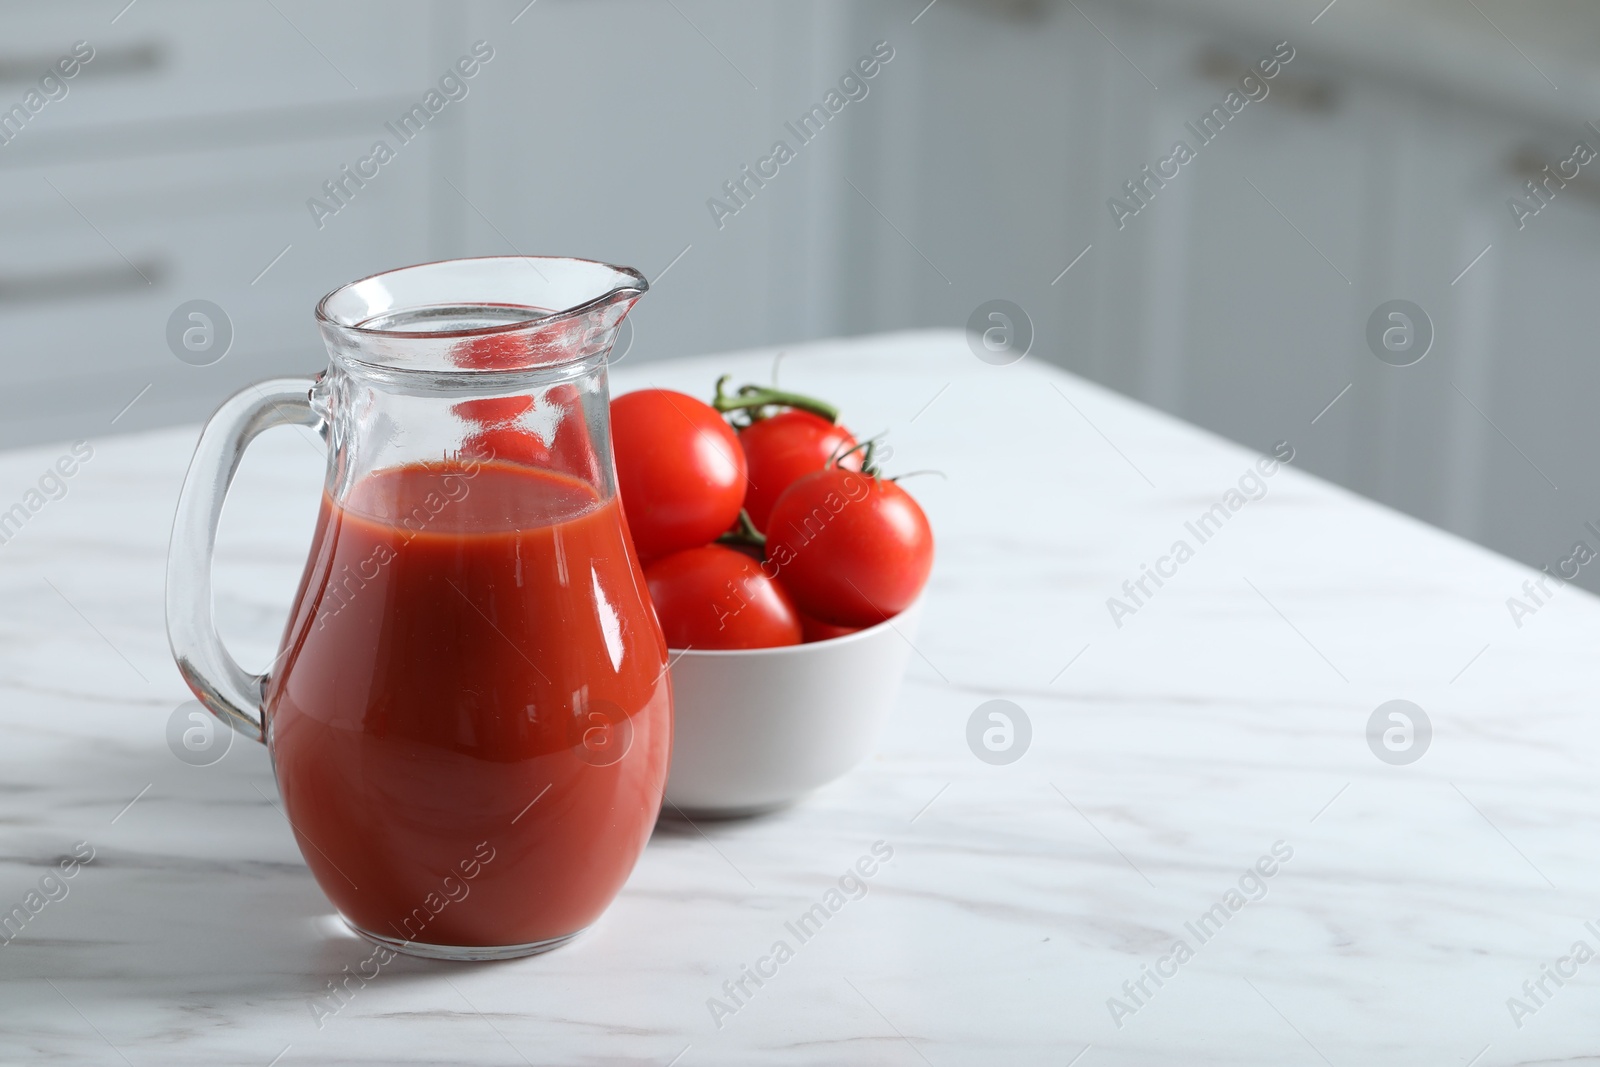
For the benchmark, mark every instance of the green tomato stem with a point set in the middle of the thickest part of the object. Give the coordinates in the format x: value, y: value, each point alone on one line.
x: 746, y: 534
x: 866, y: 448
x: 754, y: 397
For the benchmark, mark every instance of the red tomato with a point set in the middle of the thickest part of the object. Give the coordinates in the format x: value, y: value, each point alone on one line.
x: 817, y: 630
x: 852, y: 549
x: 714, y: 597
x: 784, y: 448
x: 680, y: 471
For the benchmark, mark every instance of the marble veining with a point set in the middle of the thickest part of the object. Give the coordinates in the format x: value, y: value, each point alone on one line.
x: 1167, y: 755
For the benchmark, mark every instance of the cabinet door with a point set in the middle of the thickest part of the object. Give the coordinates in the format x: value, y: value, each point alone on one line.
x: 190, y: 59
x: 1234, y: 297
x: 683, y: 104
x: 179, y: 166
x: 979, y: 167
x: 1538, y: 378
x: 1258, y: 249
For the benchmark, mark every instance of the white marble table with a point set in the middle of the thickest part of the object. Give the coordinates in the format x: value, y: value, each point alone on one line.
x: 1226, y: 715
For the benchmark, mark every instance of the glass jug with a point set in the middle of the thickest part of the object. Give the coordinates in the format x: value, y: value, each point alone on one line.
x: 470, y: 717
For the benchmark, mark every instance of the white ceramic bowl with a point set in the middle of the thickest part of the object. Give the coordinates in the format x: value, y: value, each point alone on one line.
x: 757, y: 729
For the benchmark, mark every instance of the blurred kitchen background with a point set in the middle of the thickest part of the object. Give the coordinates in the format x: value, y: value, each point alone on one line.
x: 179, y: 164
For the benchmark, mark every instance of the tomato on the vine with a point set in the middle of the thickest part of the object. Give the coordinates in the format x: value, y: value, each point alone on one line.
x: 852, y: 548
x: 680, y: 470
x: 780, y: 448
x: 783, y: 448
x: 716, y: 597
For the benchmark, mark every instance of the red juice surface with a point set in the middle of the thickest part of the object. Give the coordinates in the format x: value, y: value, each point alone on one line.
x: 471, y: 722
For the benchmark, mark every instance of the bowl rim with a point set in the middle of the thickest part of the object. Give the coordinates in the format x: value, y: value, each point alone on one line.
x: 803, y: 648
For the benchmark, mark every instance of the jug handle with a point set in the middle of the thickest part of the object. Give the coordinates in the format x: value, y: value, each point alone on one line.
x: 230, y: 692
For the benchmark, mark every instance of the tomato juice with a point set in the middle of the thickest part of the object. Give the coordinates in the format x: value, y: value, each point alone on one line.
x: 471, y: 669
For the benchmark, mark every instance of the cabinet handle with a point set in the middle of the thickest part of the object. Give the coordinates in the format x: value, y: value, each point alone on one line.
x: 80, y: 282
x: 1527, y: 165
x: 1302, y: 94
x: 128, y: 59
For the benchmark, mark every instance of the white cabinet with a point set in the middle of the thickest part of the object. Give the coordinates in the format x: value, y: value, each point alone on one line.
x: 1239, y: 296
x: 1256, y: 251
x: 178, y: 166
x: 182, y: 60
x: 617, y: 160
x: 977, y: 167
x: 99, y: 254
x: 1402, y: 190
x: 1539, y: 380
